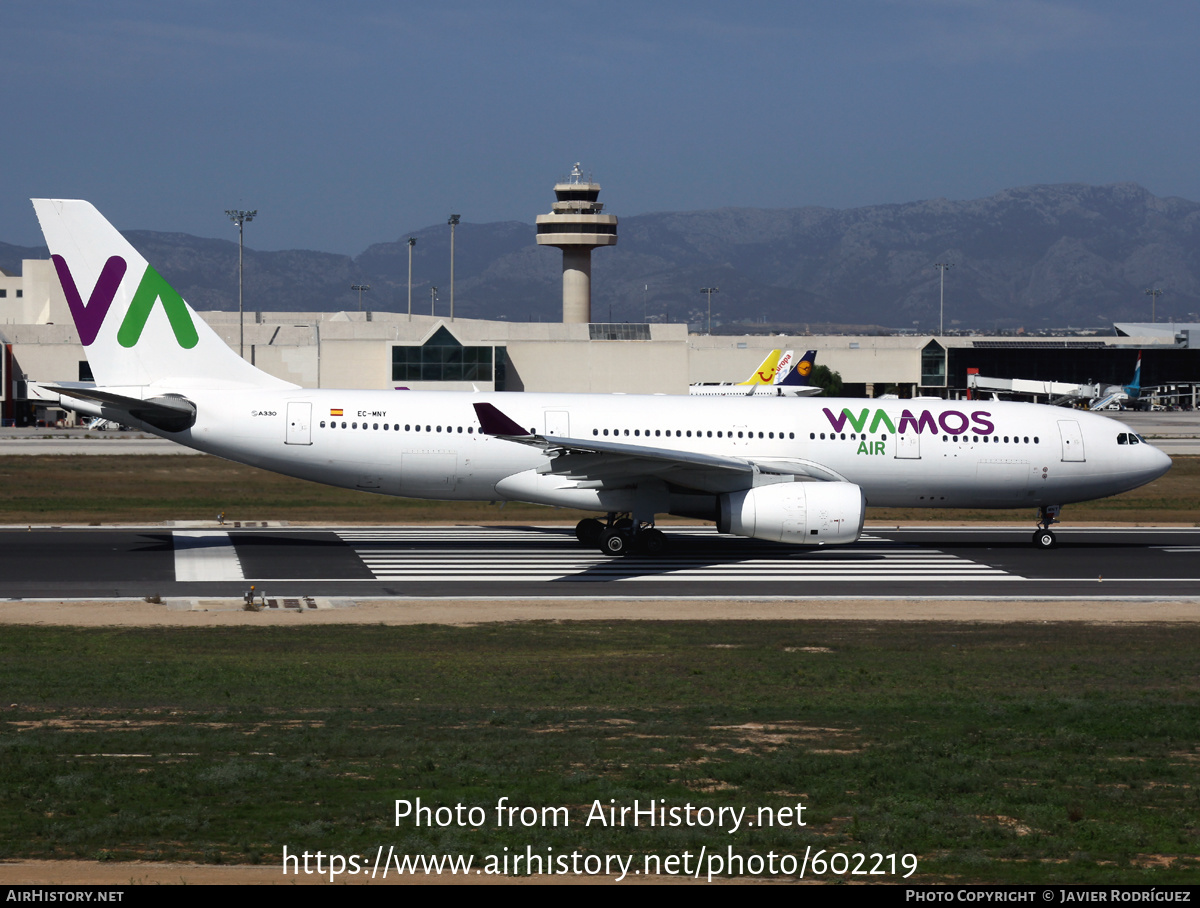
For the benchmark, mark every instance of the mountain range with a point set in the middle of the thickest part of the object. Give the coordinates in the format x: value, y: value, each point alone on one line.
x: 1033, y: 257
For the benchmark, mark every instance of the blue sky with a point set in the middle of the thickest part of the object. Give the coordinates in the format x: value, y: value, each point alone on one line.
x: 356, y: 122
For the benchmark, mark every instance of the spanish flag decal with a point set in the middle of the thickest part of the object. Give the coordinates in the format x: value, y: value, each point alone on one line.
x: 335, y: 412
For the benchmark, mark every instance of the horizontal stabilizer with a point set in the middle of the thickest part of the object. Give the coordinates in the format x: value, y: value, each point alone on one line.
x: 171, y: 413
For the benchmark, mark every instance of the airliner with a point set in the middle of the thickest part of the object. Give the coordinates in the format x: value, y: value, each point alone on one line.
x: 760, y: 380
x: 794, y: 471
x: 776, y: 377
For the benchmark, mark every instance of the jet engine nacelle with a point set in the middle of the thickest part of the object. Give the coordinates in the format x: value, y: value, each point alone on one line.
x: 802, y: 513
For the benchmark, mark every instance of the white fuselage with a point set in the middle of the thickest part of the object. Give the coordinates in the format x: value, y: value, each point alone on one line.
x: 921, y: 453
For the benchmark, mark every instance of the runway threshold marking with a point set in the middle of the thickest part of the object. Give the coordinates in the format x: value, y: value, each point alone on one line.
x: 205, y: 555
x: 432, y: 554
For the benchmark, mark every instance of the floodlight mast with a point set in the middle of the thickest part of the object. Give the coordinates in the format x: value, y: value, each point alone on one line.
x: 240, y: 217
x: 360, y: 288
x: 412, y: 241
x: 1154, y: 294
x: 453, y: 222
x: 942, y: 267
x: 710, y: 291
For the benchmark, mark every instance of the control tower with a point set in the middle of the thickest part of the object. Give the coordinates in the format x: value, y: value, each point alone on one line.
x: 576, y: 226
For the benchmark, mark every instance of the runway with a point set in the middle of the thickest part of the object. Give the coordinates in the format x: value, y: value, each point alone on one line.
x: 427, y: 562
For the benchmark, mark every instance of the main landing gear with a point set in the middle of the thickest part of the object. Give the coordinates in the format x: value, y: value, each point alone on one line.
x: 619, y: 535
x: 1042, y: 537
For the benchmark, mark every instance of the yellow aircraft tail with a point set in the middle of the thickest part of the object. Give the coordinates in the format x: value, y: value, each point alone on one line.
x: 765, y: 374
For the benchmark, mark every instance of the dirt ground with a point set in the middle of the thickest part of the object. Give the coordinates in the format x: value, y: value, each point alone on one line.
x: 227, y: 613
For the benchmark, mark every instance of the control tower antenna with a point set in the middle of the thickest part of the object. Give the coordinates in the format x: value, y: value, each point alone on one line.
x: 576, y: 226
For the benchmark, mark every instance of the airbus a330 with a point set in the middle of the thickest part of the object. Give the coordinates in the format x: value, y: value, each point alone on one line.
x: 798, y: 471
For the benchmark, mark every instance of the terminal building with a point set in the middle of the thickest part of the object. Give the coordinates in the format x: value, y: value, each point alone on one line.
x: 382, y: 350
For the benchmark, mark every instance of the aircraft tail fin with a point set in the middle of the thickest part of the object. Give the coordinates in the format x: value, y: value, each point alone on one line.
x: 1134, y: 388
x: 137, y: 331
x: 802, y: 374
x: 765, y: 373
x: 784, y: 367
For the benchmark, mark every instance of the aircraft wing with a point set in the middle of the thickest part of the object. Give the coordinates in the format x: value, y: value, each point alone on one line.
x: 599, y: 463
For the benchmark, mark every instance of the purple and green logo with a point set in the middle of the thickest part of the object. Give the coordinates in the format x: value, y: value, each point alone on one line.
x: 952, y: 422
x: 90, y: 316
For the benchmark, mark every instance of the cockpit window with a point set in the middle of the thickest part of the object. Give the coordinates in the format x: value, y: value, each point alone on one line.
x: 1122, y: 439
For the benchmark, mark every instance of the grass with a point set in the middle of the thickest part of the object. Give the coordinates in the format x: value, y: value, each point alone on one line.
x: 79, y: 489
x: 1016, y: 753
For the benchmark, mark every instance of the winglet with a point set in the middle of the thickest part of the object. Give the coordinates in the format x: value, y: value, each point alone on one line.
x: 493, y: 422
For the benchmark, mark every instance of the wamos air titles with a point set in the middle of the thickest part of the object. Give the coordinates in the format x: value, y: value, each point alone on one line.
x: 797, y: 471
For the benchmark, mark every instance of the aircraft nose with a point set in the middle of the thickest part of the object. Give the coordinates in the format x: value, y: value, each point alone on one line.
x: 1157, y: 462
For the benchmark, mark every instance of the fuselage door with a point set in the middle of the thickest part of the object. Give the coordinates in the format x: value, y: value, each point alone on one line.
x: 908, y: 447
x: 299, y: 423
x: 1072, y: 440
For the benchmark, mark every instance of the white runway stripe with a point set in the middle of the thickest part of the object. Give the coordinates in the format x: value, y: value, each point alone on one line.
x: 433, y: 554
x: 205, y: 555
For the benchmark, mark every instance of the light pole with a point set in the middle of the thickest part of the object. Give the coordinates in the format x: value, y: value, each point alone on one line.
x: 412, y: 241
x: 710, y: 291
x: 453, y: 222
x: 432, y: 300
x: 942, y: 267
x: 1154, y: 295
x: 240, y: 218
x: 360, y: 288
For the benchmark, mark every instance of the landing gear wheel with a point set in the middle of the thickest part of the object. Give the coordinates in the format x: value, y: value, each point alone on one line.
x: 614, y: 543
x: 651, y: 542
x: 1044, y: 539
x: 622, y: 523
x: 588, y: 531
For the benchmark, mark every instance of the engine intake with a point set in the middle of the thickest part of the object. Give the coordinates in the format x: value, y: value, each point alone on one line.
x: 801, y: 513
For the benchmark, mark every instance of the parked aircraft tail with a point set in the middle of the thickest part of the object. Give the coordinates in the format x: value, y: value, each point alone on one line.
x: 801, y: 375
x: 1134, y: 388
x: 135, y: 328
x: 765, y: 373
